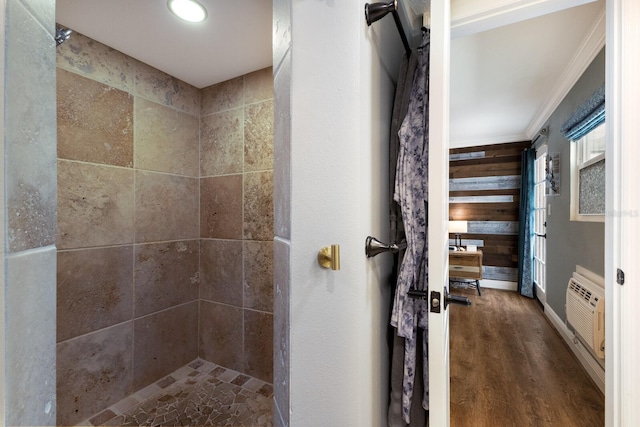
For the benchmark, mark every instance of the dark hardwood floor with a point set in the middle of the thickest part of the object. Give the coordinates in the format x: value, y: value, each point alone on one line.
x: 509, y: 367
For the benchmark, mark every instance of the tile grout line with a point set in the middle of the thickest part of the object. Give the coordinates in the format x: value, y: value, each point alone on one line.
x: 132, y: 91
x: 243, y: 362
x: 126, y: 168
x: 200, y: 280
x: 124, y: 245
x: 135, y: 235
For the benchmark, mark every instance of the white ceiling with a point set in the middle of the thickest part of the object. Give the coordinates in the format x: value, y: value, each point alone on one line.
x: 506, y: 81
x: 508, y: 73
x: 234, y: 40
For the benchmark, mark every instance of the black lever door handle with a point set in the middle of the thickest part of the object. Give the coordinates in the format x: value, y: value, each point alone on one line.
x: 434, y: 299
x: 454, y: 299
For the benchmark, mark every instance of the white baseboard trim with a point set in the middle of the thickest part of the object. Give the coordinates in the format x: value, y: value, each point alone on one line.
x: 498, y: 284
x: 591, y: 366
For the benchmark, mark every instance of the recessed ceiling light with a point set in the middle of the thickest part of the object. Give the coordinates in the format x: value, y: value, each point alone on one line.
x: 189, y: 10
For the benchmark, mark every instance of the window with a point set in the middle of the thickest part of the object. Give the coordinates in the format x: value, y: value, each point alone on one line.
x: 540, y: 223
x: 588, y: 176
x: 591, y: 146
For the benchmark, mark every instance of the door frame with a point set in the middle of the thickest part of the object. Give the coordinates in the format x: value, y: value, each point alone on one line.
x: 622, y: 227
x: 438, y: 210
x: 622, y: 205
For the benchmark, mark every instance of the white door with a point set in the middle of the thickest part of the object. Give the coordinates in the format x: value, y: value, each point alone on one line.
x: 439, y: 211
x: 540, y: 225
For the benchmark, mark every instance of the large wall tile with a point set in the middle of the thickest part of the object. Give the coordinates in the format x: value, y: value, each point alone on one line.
x: 258, y: 345
x: 258, y: 86
x: 282, y: 325
x: 94, y: 371
x: 29, y: 132
x: 258, y: 206
x: 221, y: 139
x: 165, y: 341
x: 30, y: 330
x: 221, y: 207
x: 166, y: 207
x: 279, y: 419
x: 221, y: 334
x: 258, y: 136
x: 95, y: 121
x: 166, y: 140
x: 31, y: 209
x: 164, y: 89
x: 282, y: 150
x: 222, y: 96
x: 166, y: 275
x: 281, y: 37
x: 233, y: 123
x: 43, y: 10
x: 258, y: 275
x: 221, y: 271
x: 96, y: 61
x: 95, y: 205
x: 95, y: 289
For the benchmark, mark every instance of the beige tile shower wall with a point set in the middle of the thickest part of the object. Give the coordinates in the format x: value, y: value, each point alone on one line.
x: 27, y: 214
x: 282, y: 211
x: 128, y: 226
x: 236, y: 224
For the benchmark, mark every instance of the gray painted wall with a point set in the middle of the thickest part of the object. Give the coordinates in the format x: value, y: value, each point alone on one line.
x: 571, y: 242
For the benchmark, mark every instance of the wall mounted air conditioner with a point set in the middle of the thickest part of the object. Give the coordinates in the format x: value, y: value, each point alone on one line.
x: 585, y: 312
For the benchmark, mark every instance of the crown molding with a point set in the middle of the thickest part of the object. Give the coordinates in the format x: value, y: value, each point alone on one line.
x: 489, y: 14
x: 591, y: 46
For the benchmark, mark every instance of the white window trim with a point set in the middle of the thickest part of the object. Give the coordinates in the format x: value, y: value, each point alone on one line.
x: 574, y: 215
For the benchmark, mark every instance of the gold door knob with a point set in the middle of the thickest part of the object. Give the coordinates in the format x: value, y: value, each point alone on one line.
x: 329, y: 257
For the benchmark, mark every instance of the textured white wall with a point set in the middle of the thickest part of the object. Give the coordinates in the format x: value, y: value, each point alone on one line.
x: 342, y: 93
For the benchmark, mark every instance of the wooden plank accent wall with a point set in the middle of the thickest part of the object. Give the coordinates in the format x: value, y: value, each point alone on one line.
x: 475, y: 173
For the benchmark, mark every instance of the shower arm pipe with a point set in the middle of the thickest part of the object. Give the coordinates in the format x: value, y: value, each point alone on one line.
x: 376, y: 11
x: 403, y: 36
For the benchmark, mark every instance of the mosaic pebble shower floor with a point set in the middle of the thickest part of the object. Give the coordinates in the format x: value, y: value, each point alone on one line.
x: 198, y: 394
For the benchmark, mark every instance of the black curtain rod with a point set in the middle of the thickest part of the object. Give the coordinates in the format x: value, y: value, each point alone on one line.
x: 376, y: 11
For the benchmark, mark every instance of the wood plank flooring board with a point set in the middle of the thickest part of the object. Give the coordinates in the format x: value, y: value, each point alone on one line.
x: 504, y: 249
x: 494, y: 192
x: 495, y: 150
x: 466, y: 156
x: 487, y: 161
x: 505, y: 228
x: 484, y: 212
x: 498, y: 260
x: 509, y: 367
x: 488, y: 183
x: 480, y: 198
x: 509, y: 274
x: 483, y: 170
